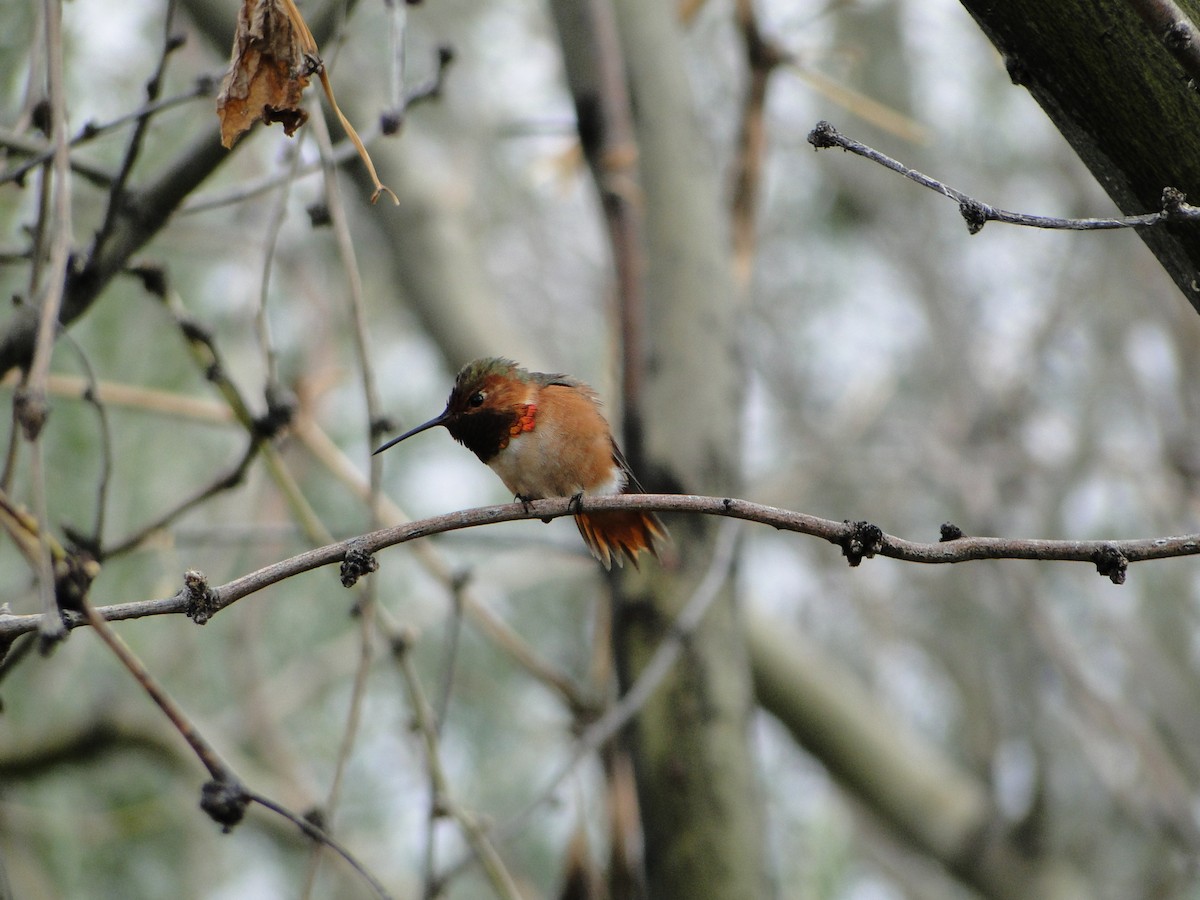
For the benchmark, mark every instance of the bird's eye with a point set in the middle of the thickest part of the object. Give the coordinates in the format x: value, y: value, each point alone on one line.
x: 476, y: 399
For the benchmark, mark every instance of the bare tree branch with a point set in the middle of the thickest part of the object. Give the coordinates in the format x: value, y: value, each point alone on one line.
x: 30, y: 408
x: 205, y: 752
x: 320, y: 835
x: 224, y: 798
x: 858, y: 540
x: 763, y: 57
x: 595, y: 69
x: 976, y: 213
x: 98, y: 176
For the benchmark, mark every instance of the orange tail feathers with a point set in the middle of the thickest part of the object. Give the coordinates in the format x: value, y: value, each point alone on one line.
x: 621, y: 534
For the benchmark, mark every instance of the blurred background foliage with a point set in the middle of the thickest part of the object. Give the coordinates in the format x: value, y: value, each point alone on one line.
x: 1018, y: 382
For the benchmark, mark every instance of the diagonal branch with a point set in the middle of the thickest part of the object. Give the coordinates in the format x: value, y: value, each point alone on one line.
x: 145, y: 210
x: 148, y: 209
x: 224, y: 798
x: 1178, y: 33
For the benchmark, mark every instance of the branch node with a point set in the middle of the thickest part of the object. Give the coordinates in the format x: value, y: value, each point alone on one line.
x: 206, y: 84
x: 73, y: 577
x: 357, y: 563
x: 281, y: 408
x: 381, y: 425
x: 1177, y: 36
x: 1018, y: 72
x: 390, y: 121
x: 50, y: 638
x: 459, y: 581
x: 31, y: 410
x: 319, y: 215
x: 225, y: 802
x: 403, y: 640
x: 202, y: 601
x: 1111, y: 563
x: 1173, y: 200
x: 315, y: 816
x: 950, y: 532
x: 823, y: 136
x: 153, y: 278
x: 863, y: 540
x: 975, y: 213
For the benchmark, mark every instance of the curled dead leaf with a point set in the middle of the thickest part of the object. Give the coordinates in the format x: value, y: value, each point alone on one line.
x: 273, y: 58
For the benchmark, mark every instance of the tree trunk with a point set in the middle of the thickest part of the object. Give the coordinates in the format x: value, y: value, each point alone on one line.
x: 701, y: 810
x: 1127, y: 107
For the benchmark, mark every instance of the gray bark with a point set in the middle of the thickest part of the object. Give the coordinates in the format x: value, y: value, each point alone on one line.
x: 1122, y: 100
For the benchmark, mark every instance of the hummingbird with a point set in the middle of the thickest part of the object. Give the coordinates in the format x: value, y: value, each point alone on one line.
x: 545, y: 436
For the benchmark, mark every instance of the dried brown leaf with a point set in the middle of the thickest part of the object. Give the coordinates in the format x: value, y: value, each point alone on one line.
x: 274, y: 56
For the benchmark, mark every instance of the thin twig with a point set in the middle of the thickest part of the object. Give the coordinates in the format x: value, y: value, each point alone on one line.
x: 448, y: 667
x: 397, y: 41
x: 219, y: 485
x: 450, y: 656
x: 862, y: 106
x: 623, y: 711
x: 51, y: 627
x: 262, y: 321
x: 116, y: 194
x: 345, y: 246
x: 204, y: 351
x: 91, y: 396
x: 858, y: 540
x: 431, y: 87
x: 441, y: 803
x: 201, y: 410
x: 763, y: 57
x: 205, y: 752
x: 976, y: 213
x: 318, y: 834
x: 215, y: 199
x: 218, y: 769
x: 100, y: 177
x: 366, y: 600
x: 39, y: 154
x: 358, y: 693
x: 30, y: 407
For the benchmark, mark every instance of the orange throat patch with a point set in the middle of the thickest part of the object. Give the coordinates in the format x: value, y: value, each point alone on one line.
x: 526, y: 414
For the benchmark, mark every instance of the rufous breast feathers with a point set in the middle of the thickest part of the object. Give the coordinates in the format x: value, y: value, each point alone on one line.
x: 568, y: 451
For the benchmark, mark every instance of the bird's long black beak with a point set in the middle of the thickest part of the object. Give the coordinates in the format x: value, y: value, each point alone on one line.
x: 440, y: 420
